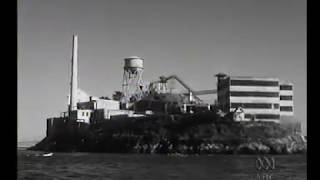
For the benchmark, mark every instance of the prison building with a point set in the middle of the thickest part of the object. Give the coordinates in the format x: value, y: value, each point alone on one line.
x: 286, y: 99
x: 258, y: 97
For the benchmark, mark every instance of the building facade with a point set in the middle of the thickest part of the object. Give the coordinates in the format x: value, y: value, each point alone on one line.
x: 262, y: 99
x: 286, y: 99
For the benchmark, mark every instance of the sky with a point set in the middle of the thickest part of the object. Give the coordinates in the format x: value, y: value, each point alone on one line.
x: 194, y: 39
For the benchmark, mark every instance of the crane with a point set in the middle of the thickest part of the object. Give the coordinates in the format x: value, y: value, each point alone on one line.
x: 204, y: 92
x: 163, y: 80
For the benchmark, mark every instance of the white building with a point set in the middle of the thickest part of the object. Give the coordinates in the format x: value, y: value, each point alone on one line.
x: 262, y: 99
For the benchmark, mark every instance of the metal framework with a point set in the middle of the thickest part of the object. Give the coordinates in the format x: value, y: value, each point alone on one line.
x: 132, y: 85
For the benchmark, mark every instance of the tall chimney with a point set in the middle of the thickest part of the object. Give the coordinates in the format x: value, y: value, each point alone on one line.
x: 74, y: 74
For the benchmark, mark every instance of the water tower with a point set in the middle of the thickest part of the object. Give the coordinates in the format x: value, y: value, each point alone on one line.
x: 132, y: 84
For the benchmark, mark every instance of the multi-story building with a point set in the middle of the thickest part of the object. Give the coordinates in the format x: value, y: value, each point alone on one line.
x: 260, y: 98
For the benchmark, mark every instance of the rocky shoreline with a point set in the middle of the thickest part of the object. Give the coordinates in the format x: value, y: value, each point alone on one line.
x: 198, y: 134
x: 292, y: 144
x: 289, y: 145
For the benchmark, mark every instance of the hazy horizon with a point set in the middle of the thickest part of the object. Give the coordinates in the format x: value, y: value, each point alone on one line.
x: 193, y: 39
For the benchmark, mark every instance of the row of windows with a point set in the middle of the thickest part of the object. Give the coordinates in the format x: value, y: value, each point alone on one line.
x: 259, y: 94
x: 85, y: 113
x: 255, y: 105
x: 285, y: 97
x: 285, y: 87
x: 286, y: 108
x: 253, y: 83
x: 262, y: 116
x: 254, y: 94
x: 246, y: 82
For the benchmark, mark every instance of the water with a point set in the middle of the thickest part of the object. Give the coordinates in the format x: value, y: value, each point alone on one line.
x: 25, y: 144
x: 141, y: 166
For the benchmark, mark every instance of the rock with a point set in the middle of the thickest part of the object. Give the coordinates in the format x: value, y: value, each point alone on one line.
x: 289, y: 145
x: 296, y: 145
x: 263, y: 148
x: 217, y: 148
x: 245, y: 148
x: 276, y: 145
x: 252, y: 148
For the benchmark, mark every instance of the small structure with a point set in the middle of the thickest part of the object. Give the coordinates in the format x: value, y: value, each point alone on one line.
x: 238, y: 114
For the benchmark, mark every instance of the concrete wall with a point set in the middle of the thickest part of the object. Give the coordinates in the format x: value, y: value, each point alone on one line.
x: 109, y: 113
x: 56, y: 125
x: 103, y: 114
x: 100, y: 104
x: 107, y: 104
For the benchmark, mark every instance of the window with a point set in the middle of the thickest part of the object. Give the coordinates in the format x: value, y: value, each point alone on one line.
x: 286, y: 108
x: 286, y: 87
x: 247, y: 82
x: 252, y: 105
x: 254, y: 94
x: 262, y: 116
x: 87, y: 113
x: 285, y: 97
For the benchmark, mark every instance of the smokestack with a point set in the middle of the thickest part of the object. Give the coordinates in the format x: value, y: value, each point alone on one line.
x: 74, y: 74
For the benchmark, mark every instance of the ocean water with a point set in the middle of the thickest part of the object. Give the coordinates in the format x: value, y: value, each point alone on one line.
x: 31, y: 165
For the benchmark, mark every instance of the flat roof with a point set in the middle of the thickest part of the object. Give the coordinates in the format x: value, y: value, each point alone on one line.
x: 286, y: 83
x: 254, y: 78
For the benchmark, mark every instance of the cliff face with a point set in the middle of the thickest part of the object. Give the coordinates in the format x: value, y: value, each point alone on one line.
x: 203, y: 132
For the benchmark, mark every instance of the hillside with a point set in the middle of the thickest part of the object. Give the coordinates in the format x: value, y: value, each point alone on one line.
x: 203, y: 132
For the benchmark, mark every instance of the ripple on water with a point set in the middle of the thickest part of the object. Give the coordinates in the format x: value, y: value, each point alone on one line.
x: 136, y: 166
